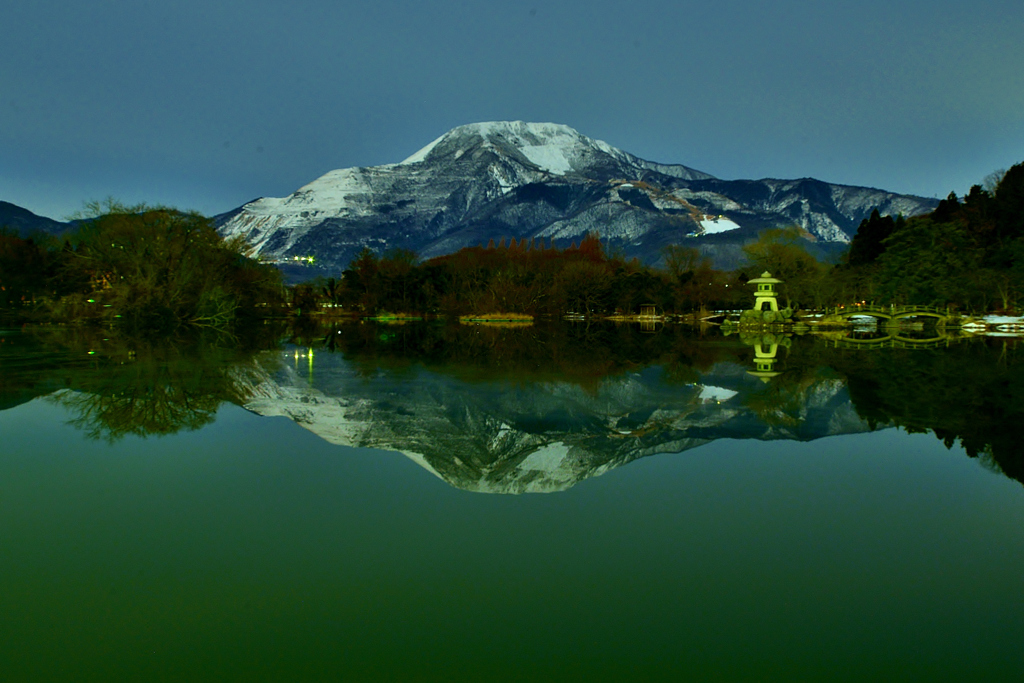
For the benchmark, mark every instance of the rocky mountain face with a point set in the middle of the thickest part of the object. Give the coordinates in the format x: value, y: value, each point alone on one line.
x: 503, y: 437
x: 545, y: 181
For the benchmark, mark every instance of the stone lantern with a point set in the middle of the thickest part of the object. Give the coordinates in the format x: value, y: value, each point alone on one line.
x: 765, y: 297
x: 766, y: 309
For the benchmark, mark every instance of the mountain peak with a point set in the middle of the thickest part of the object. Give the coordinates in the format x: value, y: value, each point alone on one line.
x: 516, y: 128
x: 552, y: 147
x: 538, y: 180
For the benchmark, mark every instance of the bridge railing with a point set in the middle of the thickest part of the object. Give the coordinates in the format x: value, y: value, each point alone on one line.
x: 890, y: 310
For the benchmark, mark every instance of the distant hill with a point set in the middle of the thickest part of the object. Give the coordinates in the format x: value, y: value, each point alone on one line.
x: 25, y: 223
x: 546, y: 181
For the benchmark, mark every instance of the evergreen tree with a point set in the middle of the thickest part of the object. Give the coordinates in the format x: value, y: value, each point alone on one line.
x: 869, y: 242
x: 1009, y: 205
x: 947, y: 210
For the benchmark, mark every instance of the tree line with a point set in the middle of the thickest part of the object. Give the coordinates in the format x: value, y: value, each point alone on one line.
x: 522, y: 278
x: 137, y: 267
x: 967, y: 253
x: 526, y: 278
x: 146, y: 267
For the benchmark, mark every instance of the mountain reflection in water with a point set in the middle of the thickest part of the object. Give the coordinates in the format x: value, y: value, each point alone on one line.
x: 512, y: 410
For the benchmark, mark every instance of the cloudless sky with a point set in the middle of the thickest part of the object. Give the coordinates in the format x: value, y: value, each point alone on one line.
x: 206, y: 104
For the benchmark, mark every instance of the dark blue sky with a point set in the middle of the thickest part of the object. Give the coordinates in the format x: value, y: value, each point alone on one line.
x: 206, y: 105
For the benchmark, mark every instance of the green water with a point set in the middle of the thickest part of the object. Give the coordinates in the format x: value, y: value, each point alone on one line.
x: 245, y: 547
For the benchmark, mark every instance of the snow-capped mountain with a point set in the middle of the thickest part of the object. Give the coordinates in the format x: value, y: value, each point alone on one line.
x: 486, y: 181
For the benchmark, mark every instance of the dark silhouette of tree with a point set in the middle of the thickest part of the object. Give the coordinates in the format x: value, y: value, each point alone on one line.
x: 781, y: 252
x: 26, y: 269
x: 155, y: 267
x: 1009, y: 205
x: 869, y: 242
x: 947, y: 210
x: 361, y: 286
x: 967, y: 254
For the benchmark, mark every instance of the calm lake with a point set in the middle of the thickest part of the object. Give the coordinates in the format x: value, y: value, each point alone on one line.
x: 425, y: 502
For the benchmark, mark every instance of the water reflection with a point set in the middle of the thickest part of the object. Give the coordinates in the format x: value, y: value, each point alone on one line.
x: 971, y: 393
x: 540, y: 409
x: 766, y: 352
x: 896, y: 338
x: 256, y: 551
x: 504, y: 409
x: 118, y: 386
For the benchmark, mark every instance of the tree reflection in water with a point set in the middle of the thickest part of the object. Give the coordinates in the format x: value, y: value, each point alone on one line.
x: 581, y: 354
x: 139, y: 386
x: 971, y: 391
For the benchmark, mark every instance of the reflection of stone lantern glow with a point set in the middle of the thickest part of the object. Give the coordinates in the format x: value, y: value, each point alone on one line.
x: 764, y: 361
x: 766, y: 348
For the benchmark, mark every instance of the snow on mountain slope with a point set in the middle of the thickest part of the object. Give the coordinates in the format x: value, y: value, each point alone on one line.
x: 344, y: 193
x: 716, y: 225
x: 437, y: 187
x: 520, y: 180
x: 551, y: 147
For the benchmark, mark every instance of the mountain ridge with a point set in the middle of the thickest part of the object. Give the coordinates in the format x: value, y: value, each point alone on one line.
x: 25, y: 222
x: 516, y: 179
x: 535, y: 181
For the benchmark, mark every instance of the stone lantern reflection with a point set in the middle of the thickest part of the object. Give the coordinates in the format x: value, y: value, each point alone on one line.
x: 766, y: 349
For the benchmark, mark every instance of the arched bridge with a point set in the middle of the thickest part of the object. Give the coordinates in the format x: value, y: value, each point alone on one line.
x: 941, y: 315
